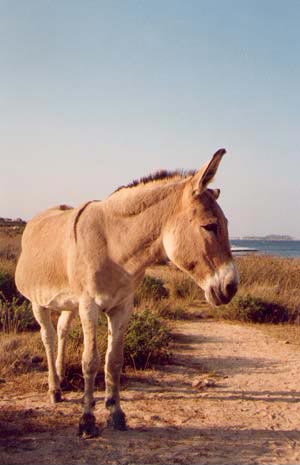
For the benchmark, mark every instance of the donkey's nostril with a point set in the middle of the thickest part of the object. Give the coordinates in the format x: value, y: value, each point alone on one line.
x: 231, y: 288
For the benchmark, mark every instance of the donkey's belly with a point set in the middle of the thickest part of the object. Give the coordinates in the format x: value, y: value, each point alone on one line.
x: 61, y: 300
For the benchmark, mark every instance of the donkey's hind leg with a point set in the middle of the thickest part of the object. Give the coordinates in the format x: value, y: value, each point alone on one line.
x: 48, y: 334
x: 117, y: 324
x: 63, y: 328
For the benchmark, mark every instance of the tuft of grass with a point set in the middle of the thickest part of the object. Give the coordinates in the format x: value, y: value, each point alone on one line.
x: 18, y: 352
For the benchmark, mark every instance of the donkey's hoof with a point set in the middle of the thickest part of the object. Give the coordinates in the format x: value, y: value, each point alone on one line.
x: 55, y: 396
x: 87, y: 426
x: 117, y: 420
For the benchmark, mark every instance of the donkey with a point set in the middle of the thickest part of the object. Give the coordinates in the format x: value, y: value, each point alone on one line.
x: 92, y: 258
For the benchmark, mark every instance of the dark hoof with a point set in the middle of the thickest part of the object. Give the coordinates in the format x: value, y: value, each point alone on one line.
x: 117, y: 420
x: 56, y: 397
x: 87, y: 426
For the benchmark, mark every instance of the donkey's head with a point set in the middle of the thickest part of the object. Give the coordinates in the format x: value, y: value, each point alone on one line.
x: 196, y: 237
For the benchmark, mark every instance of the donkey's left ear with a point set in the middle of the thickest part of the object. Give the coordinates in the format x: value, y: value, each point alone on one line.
x: 205, y: 175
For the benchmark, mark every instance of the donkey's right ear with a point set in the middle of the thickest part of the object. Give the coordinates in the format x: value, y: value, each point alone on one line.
x: 205, y: 175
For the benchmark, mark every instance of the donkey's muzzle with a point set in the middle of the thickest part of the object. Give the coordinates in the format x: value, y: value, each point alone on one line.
x: 229, y: 291
x: 222, y: 286
x: 217, y: 296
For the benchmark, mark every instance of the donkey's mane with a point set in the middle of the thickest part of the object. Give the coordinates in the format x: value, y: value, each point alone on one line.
x: 160, y: 175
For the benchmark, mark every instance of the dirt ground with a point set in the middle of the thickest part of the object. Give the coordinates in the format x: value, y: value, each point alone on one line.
x: 231, y: 396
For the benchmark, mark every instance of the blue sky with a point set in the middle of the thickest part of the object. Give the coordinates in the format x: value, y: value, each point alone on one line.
x: 94, y: 94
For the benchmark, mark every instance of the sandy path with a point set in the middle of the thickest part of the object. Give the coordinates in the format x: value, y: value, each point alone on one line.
x: 251, y: 415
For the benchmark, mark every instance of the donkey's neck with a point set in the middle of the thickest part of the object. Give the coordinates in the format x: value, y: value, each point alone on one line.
x: 135, y: 220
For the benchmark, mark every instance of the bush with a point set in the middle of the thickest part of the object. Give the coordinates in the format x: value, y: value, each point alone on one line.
x: 16, y: 317
x: 150, y: 289
x: 253, y: 309
x: 146, y: 341
x: 7, y: 285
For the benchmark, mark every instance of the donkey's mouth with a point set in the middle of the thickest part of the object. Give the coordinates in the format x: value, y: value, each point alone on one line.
x: 213, y: 297
x: 216, y: 297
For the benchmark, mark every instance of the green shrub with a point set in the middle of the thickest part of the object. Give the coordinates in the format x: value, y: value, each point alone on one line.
x: 150, y: 289
x: 253, y: 309
x: 16, y: 317
x: 147, y: 340
x: 7, y: 285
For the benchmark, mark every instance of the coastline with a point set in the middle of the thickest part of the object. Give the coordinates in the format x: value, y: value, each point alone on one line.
x: 288, y: 249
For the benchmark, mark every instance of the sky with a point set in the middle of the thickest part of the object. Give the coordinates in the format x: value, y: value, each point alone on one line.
x: 94, y: 94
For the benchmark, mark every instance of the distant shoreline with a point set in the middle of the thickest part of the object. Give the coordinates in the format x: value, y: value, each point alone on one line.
x: 284, y: 248
x: 270, y: 238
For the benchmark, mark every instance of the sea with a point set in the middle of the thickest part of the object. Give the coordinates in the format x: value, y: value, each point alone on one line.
x: 279, y: 248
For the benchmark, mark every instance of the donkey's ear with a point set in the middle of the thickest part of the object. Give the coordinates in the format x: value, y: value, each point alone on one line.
x: 205, y: 175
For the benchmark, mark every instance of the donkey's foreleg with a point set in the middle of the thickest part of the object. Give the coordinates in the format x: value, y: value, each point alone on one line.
x: 63, y: 328
x: 48, y: 334
x: 88, y: 312
x: 117, y: 324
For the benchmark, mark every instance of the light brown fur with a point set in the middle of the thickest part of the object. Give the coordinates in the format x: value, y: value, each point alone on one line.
x: 93, y: 257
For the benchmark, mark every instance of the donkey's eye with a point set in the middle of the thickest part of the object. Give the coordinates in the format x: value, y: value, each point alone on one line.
x: 211, y: 227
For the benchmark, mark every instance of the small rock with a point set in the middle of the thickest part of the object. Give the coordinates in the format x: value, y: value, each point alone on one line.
x: 201, y: 383
x: 286, y: 342
x: 2, y: 381
x: 197, y: 383
x: 210, y: 382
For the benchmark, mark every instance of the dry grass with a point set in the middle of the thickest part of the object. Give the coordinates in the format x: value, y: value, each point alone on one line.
x: 22, y: 363
x: 18, y: 351
x: 280, y: 272
x: 273, y: 279
x: 10, y: 243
